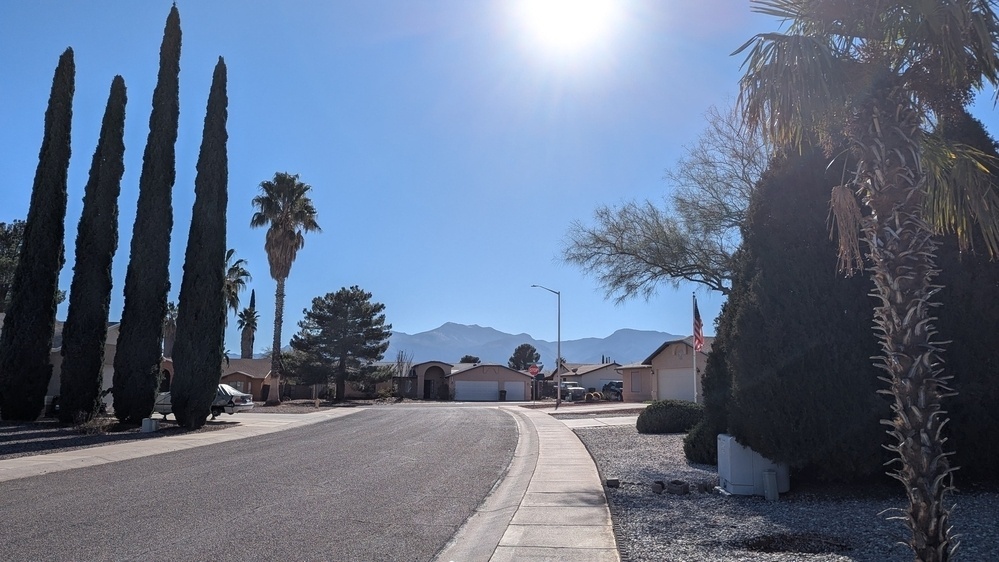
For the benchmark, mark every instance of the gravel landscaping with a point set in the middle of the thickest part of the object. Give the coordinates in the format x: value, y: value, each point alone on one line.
x: 813, y: 523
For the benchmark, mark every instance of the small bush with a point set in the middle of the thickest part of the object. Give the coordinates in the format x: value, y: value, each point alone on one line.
x: 670, y: 416
x: 701, y: 444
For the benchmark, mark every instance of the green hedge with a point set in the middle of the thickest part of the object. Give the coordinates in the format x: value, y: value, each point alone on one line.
x: 670, y: 416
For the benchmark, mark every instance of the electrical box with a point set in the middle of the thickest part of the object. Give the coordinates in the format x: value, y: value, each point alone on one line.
x: 741, y: 469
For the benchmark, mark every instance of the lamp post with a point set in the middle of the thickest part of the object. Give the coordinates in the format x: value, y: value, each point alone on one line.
x: 558, y: 345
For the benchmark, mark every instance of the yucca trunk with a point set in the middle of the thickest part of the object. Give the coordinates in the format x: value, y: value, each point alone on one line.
x: 902, y: 254
x: 274, y: 397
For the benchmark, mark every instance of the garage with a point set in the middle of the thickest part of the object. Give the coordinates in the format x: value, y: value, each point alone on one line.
x: 515, y: 391
x: 476, y: 390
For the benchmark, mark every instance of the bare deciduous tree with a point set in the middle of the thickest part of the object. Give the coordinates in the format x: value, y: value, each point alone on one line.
x: 692, y: 234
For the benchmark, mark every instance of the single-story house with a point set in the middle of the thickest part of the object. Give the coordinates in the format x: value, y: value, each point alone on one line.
x: 637, y: 382
x: 670, y: 373
x: 591, y: 376
x: 481, y: 381
x: 248, y: 375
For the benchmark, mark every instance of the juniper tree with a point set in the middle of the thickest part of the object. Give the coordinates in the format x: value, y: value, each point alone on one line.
x: 147, y: 280
x: 90, y: 292
x: 197, y: 353
x: 26, y: 341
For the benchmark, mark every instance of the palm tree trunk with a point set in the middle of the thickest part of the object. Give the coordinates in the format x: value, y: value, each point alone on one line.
x: 246, y: 343
x: 903, y: 253
x: 274, y: 397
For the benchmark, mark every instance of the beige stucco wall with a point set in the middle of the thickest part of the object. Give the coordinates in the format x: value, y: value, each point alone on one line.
x: 592, y: 379
x: 639, y: 385
x: 673, y: 370
x: 435, y: 371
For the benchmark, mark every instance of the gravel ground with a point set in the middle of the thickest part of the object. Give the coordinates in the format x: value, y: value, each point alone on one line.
x: 805, y: 524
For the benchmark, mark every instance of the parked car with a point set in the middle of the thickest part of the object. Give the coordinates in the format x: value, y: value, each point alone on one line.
x: 614, y: 390
x: 572, y: 391
x: 227, y: 399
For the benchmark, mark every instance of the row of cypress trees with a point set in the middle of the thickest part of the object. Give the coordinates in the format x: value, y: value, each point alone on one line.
x: 26, y: 339
x: 787, y: 375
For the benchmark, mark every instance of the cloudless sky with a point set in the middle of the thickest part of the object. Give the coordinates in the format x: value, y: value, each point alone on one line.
x: 449, y: 143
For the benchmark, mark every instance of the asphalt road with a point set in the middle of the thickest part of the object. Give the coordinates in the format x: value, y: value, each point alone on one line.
x: 381, y: 484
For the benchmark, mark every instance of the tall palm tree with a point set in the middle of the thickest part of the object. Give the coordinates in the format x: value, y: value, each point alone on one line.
x: 247, y: 321
x: 236, y: 278
x: 284, y: 207
x: 878, y: 74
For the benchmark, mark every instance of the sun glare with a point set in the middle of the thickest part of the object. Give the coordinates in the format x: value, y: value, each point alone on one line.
x: 567, y: 26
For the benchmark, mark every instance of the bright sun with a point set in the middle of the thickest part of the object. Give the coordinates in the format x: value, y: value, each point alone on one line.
x: 568, y: 26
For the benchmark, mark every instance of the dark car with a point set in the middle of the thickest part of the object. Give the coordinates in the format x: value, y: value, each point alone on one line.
x: 227, y: 399
x: 614, y: 390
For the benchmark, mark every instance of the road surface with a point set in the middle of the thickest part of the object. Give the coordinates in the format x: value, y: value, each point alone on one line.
x: 381, y: 484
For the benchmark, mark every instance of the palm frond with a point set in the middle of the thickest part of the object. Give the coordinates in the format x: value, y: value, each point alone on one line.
x: 961, y: 192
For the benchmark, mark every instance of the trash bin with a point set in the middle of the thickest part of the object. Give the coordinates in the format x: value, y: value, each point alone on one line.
x: 502, y: 396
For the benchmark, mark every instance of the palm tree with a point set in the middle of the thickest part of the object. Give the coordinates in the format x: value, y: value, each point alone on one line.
x: 876, y: 74
x: 246, y: 321
x: 284, y: 206
x: 236, y: 277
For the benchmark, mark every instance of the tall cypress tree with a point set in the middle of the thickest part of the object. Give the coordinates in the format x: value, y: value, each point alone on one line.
x: 147, y: 281
x: 197, y: 353
x: 90, y: 292
x: 26, y: 341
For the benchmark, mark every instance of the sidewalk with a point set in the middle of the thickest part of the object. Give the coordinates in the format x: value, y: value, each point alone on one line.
x: 550, y: 506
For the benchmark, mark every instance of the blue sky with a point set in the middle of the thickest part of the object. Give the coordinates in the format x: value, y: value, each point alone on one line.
x: 449, y: 148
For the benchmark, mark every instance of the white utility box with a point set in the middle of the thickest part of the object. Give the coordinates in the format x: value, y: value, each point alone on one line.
x: 741, y: 469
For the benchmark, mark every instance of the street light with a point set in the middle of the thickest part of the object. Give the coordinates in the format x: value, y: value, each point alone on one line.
x: 558, y: 345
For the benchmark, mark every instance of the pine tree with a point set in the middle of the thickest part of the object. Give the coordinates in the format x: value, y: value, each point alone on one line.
x: 147, y: 281
x: 201, y: 313
x: 26, y: 341
x: 90, y: 293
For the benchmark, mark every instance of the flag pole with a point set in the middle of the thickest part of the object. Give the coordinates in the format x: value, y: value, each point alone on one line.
x: 693, y: 345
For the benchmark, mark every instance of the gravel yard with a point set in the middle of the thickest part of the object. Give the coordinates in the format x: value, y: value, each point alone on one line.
x: 814, y: 524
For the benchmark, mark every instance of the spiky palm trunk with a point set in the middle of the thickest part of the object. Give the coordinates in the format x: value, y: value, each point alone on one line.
x: 902, y: 252
x: 274, y: 397
x: 246, y: 343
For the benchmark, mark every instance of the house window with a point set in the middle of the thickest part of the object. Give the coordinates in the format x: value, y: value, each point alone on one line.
x: 238, y: 385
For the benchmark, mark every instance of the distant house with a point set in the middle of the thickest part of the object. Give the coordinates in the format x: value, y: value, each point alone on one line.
x: 488, y: 382
x: 591, y: 376
x: 668, y: 373
x: 248, y: 375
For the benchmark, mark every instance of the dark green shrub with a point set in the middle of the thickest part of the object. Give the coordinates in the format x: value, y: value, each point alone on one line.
x: 670, y: 416
x: 803, y: 390
x: 701, y: 444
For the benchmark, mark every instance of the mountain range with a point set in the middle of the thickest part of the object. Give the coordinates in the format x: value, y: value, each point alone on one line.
x: 451, y: 341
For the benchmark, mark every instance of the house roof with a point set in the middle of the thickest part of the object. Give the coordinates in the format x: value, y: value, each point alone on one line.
x: 583, y: 368
x: 632, y: 367
x: 473, y: 366
x: 256, y: 368
x: 429, y: 362
x: 687, y: 341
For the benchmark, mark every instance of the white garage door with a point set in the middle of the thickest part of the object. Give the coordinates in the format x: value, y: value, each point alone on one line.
x: 476, y: 390
x: 515, y: 390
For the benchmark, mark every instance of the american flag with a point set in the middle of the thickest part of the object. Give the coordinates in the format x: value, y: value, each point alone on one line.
x: 698, y: 328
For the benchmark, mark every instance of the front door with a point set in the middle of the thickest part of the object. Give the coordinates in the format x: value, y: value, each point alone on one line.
x: 428, y: 390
